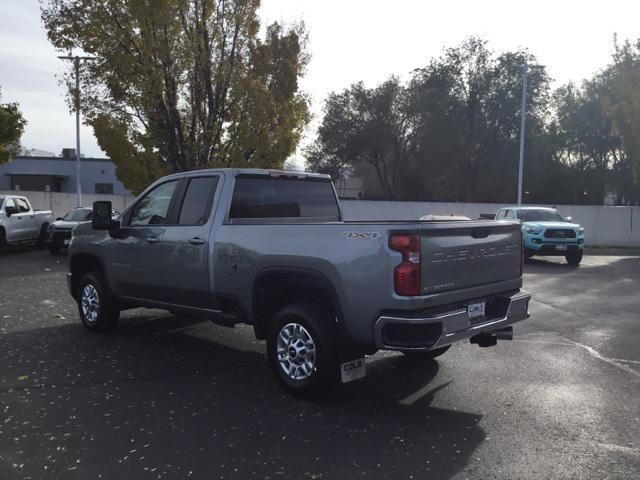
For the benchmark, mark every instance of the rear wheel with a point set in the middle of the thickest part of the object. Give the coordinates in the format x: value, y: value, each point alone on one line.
x: 428, y: 355
x: 98, y: 309
x: 574, y: 258
x: 528, y: 253
x: 3, y: 238
x: 302, y: 349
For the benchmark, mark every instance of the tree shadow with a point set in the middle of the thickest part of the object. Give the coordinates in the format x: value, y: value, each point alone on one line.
x: 168, y: 394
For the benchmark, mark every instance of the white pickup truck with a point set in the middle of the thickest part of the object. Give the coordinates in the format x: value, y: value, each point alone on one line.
x: 20, y: 223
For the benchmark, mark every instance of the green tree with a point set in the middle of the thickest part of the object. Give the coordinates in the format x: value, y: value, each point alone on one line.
x: 12, y: 126
x: 371, y: 130
x: 588, y: 143
x: 184, y: 84
x: 471, y: 104
x: 450, y: 133
x: 624, y: 105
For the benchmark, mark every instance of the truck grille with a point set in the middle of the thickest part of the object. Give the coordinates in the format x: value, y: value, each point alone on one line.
x: 560, y: 233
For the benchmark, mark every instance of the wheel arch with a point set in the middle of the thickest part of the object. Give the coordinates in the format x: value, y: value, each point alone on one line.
x: 275, y: 287
x: 82, y: 263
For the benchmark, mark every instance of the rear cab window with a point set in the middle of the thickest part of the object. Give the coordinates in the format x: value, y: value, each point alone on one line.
x: 260, y: 197
x: 198, y: 198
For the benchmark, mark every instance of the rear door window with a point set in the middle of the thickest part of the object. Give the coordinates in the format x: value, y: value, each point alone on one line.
x: 196, y: 205
x: 258, y: 197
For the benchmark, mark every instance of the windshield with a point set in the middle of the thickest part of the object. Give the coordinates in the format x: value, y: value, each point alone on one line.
x: 78, y: 215
x: 539, y: 215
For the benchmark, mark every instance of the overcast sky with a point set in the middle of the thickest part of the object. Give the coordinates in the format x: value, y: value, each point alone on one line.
x: 350, y: 40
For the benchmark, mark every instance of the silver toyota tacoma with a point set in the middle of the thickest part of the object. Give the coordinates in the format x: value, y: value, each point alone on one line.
x: 270, y: 249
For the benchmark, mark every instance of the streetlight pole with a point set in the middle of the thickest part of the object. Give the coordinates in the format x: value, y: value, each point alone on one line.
x: 523, y: 117
x: 76, y: 62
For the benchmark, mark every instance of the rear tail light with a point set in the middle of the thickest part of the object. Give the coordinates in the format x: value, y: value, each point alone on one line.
x: 407, y: 275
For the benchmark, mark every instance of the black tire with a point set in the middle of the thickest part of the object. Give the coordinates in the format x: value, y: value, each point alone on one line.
x: 574, y: 258
x: 428, y: 355
x: 53, y: 250
x: 528, y: 253
x: 107, y: 315
x: 42, y: 237
x: 320, y: 326
x: 3, y: 238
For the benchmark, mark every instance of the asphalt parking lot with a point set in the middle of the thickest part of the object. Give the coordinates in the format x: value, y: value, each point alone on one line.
x: 168, y: 397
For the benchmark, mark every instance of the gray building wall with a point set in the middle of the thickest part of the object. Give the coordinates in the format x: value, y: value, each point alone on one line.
x: 39, y: 171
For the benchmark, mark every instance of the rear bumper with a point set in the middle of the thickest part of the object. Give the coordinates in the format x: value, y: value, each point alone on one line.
x: 433, y: 331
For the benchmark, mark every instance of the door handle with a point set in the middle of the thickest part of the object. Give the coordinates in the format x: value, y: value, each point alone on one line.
x: 153, y: 239
x: 196, y: 241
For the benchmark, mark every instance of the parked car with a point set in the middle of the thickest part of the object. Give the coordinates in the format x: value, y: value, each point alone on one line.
x: 20, y: 223
x: 271, y: 249
x: 546, y: 232
x: 59, y: 232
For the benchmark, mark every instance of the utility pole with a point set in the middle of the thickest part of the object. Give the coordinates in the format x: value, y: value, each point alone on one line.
x: 523, y: 116
x: 76, y: 62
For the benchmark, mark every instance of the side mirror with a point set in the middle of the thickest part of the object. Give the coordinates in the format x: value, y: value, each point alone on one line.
x: 101, y: 216
x: 58, y: 219
x: 567, y: 219
x: 10, y: 210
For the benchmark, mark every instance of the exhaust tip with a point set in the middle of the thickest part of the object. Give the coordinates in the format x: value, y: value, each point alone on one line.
x: 490, y: 339
x: 505, y: 333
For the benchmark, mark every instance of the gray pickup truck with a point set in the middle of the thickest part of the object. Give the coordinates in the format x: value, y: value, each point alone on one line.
x: 270, y: 249
x: 20, y: 223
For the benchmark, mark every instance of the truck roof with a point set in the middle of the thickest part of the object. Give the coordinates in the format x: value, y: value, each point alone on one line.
x: 530, y: 208
x: 256, y: 171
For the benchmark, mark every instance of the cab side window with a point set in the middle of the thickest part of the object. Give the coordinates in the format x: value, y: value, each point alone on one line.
x: 501, y: 214
x: 152, y: 209
x: 510, y: 214
x: 22, y: 205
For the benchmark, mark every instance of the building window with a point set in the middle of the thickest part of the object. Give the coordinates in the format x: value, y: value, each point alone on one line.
x: 104, y: 188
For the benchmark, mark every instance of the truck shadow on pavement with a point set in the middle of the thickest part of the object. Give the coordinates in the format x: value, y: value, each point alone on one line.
x: 170, y: 396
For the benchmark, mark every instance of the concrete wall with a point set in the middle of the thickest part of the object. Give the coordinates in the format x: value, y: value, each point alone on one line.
x: 604, y: 226
x: 61, y: 203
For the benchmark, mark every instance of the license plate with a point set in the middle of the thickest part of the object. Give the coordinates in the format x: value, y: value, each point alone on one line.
x: 476, y: 310
x: 561, y: 247
x: 66, y: 242
x: 353, y: 370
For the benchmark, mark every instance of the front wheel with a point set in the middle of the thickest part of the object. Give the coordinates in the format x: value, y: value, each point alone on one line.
x: 98, y: 309
x: 574, y: 258
x: 302, y: 349
x: 528, y: 253
x: 428, y: 355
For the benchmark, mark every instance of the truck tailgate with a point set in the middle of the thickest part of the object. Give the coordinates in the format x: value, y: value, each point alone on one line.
x: 457, y: 255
